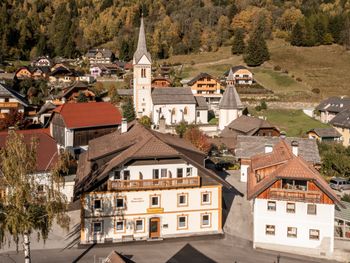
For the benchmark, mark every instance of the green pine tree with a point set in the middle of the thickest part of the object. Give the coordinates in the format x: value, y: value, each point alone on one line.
x: 238, y: 44
x: 128, y: 110
x: 297, y: 37
x: 256, y: 52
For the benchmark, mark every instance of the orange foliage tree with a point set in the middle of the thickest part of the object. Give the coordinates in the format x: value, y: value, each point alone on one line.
x: 198, y: 139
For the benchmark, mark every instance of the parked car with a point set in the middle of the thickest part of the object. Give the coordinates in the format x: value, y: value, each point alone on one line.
x: 339, y: 184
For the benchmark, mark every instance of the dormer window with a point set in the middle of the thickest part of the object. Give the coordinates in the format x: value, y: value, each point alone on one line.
x: 294, y: 184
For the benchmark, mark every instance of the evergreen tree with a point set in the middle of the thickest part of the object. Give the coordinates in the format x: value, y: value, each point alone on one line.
x: 335, y: 27
x: 256, y: 52
x: 297, y: 37
x: 310, y: 35
x: 128, y: 110
x: 82, y: 98
x: 238, y: 44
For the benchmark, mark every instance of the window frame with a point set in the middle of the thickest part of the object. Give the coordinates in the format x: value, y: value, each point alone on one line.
x: 179, y: 197
x: 93, y: 227
x: 101, y: 204
x: 155, y: 174
x: 289, y: 228
x: 143, y: 225
x: 124, y: 203
x: 178, y: 227
x: 290, y: 211
x: 317, y: 237
x: 151, y: 199
x: 209, y: 220
x: 116, y: 221
x: 177, y: 172
x: 268, y: 207
x: 270, y: 233
x: 209, y: 195
x: 117, y: 172
x: 308, y: 211
x: 190, y: 173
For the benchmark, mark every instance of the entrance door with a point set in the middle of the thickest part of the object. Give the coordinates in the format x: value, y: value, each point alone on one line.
x: 154, y: 227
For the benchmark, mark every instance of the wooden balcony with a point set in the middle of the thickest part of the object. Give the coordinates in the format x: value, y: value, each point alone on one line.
x: 169, y: 183
x: 295, y: 195
x: 9, y: 104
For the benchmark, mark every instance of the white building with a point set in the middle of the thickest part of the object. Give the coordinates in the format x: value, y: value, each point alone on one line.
x: 242, y: 75
x: 173, y: 104
x: 140, y: 185
x: 230, y: 106
x: 293, y: 206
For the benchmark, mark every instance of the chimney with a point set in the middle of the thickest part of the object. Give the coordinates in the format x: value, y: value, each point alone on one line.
x: 124, y: 127
x: 295, y: 147
x: 268, y: 148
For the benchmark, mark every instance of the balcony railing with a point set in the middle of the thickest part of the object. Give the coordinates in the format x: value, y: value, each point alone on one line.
x: 295, y: 195
x: 8, y: 104
x: 122, y: 185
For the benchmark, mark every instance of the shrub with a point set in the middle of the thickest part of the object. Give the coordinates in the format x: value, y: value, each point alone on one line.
x: 299, y: 79
x: 258, y: 108
x: 285, y: 71
x: 277, y: 68
x: 192, y: 62
x: 316, y: 90
x: 263, y: 105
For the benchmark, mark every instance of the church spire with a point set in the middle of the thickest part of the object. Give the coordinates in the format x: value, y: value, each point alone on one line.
x: 230, y: 78
x: 141, y: 44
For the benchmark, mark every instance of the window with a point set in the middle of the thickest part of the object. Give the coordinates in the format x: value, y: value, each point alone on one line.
x: 182, y: 199
x: 117, y: 175
x: 119, y: 225
x: 291, y: 232
x: 205, y: 220
x: 97, y: 204
x: 126, y: 175
x: 198, y: 114
x: 314, y: 234
x: 206, y: 198
x: 40, y: 188
x: 138, y: 225
x: 143, y: 73
x: 271, y: 206
x: 185, y: 111
x: 120, y: 203
x: 182, y: 222
x: 163, y: 173
x: 189, y: 171
x: 155, y: 201
x: 290, y: 207
x: 97, y: 227
x: 155, y: 174
x: 7, y: 99
x: 311, y: 209
x: 270, y: 230
x: 179, y: 172
x: 294, y: 184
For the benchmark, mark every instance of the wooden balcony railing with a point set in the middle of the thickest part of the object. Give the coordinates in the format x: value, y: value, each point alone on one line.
x: 8, y: 104
x: 122, y: 185
x: 295, y: 195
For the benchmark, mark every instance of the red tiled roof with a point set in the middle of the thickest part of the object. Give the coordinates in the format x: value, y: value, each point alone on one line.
x: 47, y: 152
x: 92, y: 114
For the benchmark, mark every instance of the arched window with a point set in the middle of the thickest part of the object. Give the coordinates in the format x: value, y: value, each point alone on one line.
x: 143, y: 73
x: 185, y: 111
x: 173, y: 111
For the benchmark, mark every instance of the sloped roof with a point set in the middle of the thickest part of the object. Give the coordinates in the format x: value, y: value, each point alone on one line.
x: 201, y: 103
x: 342, y: 119
x: 90, y: 114
x: 46, y: 107
x: 5, y: 91
x: 125, y: 92
x: 114, y: 257
x: 173, y: 95
x: 106, y: 53
x: 234, y: 69
x: 47, y: 151
x: 289, y: 167
x: 230, y: 99
x: 141, y: 45
x: 343, y: 211
x: 326, y: 132
x: 245, y: 125
x: 334, y: 104
x: 248, y: 146
x: 200, y: 76
x: 137, y: 143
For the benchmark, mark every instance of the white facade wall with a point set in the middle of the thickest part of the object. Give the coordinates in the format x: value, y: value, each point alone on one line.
x: 227, y: 116
x: 203, y: 116
x: 179, y: 116
x: 69, y: 137
x: 244, y: 173
x: 138, y: 206
x: 322, y: 221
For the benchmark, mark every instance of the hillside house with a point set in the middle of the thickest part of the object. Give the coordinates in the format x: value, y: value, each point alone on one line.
x: 242, y: 75
x: 138, y: 184
x: 330, y: 107
x: 161, y: 82
x: 42, y: 62
x: 293, y: 206
x: 71, y: 93
x: 23, y: 73
x: 62, y: 74
x: 325, y: 134
x: 73, y: 125
x: 99, y: 56
x: 11, y: 99
x: 341, y: 122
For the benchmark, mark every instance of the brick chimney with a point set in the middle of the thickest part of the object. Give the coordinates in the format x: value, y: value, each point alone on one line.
x: 124, y: 126
x: 295, y: 147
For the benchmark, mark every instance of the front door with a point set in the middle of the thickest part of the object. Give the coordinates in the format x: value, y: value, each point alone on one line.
x: 154, y: 227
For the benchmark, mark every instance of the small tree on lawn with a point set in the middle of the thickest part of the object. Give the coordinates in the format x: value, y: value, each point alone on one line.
x: 145, y: 121
x: 238, y: 44
x: 25, y: 209
x: 181, y: 128
x: 128, y: 110
x: 256, y: 52
x: 198, y: 139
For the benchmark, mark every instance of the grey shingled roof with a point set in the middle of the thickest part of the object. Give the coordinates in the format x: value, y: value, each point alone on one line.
x: 200, y: 76
x: 248, y: 146
x: 230, y: 76
x: 125, y: 92
x: 8, y: 92
x: 141, y: 45
x: 201, y: 103
x: 230, y: 99
x: 326, y: 132
x: 342, y: 119
x: 106, y: 53
x: 343, y: 212
x: 173, y: 95
x: 334, y: 104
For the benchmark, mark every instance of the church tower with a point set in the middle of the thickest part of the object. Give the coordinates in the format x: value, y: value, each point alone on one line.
x: 230, y: 106
x: 142, y: 63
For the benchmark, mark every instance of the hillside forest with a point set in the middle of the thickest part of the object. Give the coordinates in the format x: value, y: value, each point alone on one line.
x: 68, y: 28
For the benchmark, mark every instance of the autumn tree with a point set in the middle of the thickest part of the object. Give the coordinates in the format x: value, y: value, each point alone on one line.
x: 238, y: 44
x: 197, y: 138
x: 14, y: 119
x: 26, y: 208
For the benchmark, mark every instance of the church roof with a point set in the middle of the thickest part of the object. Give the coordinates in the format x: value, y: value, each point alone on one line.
x: 171, y: 95
x: 141, y: 45
x: 230, y: 99
x: 230, y: 76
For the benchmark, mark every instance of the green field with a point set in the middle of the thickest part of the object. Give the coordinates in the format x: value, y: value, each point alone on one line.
x: 293, y: 122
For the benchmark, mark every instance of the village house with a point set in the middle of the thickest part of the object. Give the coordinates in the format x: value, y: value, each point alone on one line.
x: 47, y: 155
x: 242, y: 75
x: 172, y: 104
x: 209, y: 87
x: 72, y: 92
x: 23, y: 73
x: 325, y: 134
x: 293, y: 206
x: 99, y: 70
x: 73, y: 125
x: 138, y: 184
x: 341, y: 122
x: 248, y: 146
x: 161, y: 82
x: 62, y: 74
x: 40, y: 72
x: 42, y: 62
x: 11, y: 99
x: 99, y: 56
x: 330, y: 107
